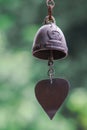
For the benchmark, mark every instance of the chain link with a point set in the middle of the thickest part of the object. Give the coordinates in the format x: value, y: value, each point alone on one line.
x: 51, y: 70
x: 50, y: 3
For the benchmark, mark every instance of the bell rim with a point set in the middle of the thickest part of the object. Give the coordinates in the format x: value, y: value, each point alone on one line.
x: 64, y: 52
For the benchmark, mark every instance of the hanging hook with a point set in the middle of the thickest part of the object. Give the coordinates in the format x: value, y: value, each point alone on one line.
x: 50, y: 18
x: 50, y: 5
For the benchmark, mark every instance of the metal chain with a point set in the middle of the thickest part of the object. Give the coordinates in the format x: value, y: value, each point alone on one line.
x: 51, y: 70
x: 50, y: 5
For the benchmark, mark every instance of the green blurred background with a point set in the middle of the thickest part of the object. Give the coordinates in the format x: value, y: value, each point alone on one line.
x: 20, y: 71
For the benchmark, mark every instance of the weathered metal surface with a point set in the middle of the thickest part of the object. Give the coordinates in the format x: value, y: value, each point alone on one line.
x: 51, y: 96
x: 49, y: 38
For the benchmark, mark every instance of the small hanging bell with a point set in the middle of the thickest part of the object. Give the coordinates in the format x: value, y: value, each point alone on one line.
x: 50, y: 44
x: 50, y: 38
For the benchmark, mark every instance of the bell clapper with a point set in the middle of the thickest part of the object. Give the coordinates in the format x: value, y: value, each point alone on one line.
x: 51, y: 69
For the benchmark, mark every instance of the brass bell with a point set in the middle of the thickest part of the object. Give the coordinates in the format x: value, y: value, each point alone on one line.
x: 49, y: 38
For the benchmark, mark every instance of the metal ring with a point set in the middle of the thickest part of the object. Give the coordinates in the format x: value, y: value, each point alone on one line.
x: 51, y: 72
x: 50, y: 63
x: 50, y: 3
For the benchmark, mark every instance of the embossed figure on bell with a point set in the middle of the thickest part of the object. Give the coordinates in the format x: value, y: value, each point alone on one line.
x: 50, y: 38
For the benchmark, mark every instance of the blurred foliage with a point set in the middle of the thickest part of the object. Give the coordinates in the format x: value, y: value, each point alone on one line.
x: 19, y: 71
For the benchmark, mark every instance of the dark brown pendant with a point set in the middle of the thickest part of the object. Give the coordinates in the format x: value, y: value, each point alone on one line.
x: 51, y: 96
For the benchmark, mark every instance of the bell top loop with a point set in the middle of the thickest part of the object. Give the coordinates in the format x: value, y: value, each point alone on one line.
x: 48, y: 20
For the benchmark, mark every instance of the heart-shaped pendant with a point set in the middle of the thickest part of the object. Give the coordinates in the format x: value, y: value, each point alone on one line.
x: 51, y: 96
